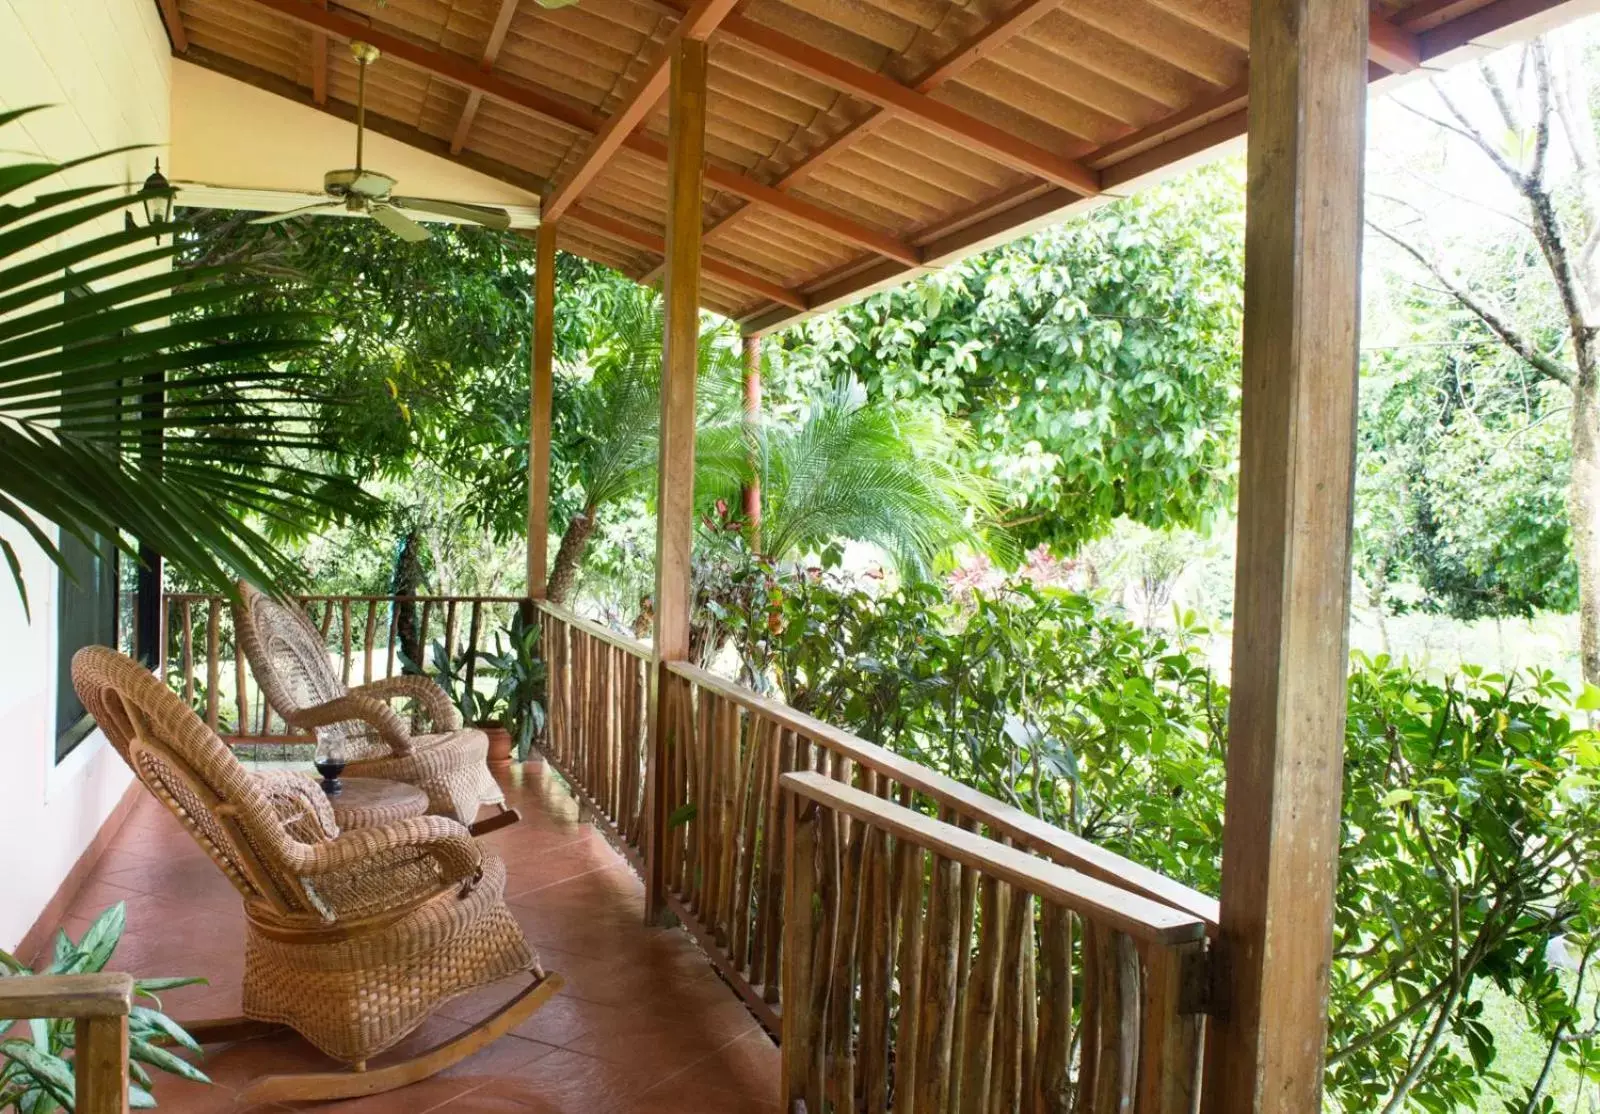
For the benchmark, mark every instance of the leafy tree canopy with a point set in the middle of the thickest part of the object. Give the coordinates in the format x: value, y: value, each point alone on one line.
x: 1096, y: 362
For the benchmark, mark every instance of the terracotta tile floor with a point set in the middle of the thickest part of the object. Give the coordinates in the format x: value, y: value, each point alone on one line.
x: 643, y: 1024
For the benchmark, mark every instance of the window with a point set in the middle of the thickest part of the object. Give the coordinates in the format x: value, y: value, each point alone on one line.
x: 105, y: 598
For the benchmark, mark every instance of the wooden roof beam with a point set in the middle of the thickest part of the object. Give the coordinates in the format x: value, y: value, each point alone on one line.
x: 656, y: 245
x: 869, y: 85
x: 531, y: 98
x: 174, y: 21
x: 993, y: 36
x: 319, y: 62
x: 450, y: 67
x: 491, y: 51
x: 1395, y: 50
x: 697, y: 23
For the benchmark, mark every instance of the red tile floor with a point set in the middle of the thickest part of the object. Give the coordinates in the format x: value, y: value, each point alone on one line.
x: 644, y: 1024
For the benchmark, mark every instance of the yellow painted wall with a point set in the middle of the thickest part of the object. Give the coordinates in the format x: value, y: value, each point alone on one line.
x: 105, y: 67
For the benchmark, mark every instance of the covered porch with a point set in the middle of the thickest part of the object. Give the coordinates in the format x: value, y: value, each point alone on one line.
x: 849, y: 929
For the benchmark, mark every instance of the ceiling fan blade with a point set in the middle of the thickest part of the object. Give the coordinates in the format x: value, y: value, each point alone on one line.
x: 304, y: 210
x: 400, y: 224
x: 555, y: 3
x: 485, y: 215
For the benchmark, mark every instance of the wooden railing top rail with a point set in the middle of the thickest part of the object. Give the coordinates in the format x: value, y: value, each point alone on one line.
x: 66, y: 996
x: 621, y: 641
x: 1031, y: 832
x: 196, y: 597
x: 1100, y: 902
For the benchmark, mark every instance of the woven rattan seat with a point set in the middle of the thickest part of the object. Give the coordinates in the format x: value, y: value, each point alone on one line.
x: 291, y: 665
x: 353, y: 938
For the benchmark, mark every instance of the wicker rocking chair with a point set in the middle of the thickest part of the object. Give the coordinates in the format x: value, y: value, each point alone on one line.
x: 353, y: 938
x: 290, y: 663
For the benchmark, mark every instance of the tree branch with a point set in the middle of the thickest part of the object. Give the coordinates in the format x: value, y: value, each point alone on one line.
x: 1489, y: 315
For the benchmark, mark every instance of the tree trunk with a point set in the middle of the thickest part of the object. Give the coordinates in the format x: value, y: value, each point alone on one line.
x: 1583, y: 509
x: 564, y: 572
x: 408, y: 582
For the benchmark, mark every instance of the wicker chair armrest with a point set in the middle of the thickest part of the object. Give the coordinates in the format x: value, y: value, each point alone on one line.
x: 441, y: 839
x: 354, y: 706
x: 426, y: 691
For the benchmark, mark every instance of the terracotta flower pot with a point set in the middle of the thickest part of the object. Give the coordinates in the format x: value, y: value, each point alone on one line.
x: 499, y: 747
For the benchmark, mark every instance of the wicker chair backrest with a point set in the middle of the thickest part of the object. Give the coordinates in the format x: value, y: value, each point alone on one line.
x: 194, y: 773
x: 289, y: 659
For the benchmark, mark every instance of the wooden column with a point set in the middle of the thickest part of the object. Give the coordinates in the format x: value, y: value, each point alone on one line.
x: 1286, y: 723
x: 679, y: 355
x: 544, y: 318
x: 752, y: 419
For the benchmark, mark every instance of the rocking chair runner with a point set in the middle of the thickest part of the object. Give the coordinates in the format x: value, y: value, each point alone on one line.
x: 290, y: 663
x: 353, y: 938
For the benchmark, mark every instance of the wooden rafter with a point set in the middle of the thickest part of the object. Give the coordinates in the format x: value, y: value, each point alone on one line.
x: 550, y: 106
x: 174, y: 21
x: 319, y: 62
x: 697, y: 23
x: 1395, y: 50
x: 491, y: 51
x: 918, y: 108
x: 993, y: 36
x: 656, y: 245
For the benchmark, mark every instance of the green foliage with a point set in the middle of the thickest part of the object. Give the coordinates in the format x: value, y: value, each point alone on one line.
x: 36, y: 1076
x: 848, y: 469
x: 514, y: 671
x: 94, y: 327
x: 1096, y: 362
x: 1470, y: 812
x: 1462, y: 483
x: 429, y: 360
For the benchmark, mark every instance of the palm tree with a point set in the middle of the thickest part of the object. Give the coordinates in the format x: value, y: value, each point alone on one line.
x: 615, y: 413
x: 127, y: 411
x: 860, y: 471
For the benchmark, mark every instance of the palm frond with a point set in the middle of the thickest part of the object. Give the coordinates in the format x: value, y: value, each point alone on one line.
x: 141, y: 403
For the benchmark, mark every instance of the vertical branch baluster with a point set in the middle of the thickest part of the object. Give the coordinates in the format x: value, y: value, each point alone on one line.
x: 188, y: 653
x: 801, y: 1047
x: 213, y: 652
x: 936, y: 1026
x: 877, y: 920
x: 371, y: 637
x: 982, y: 994
x: 1051, y: 1088
x: 772, y: 866
x: 474, y: 627
x: 241, y: 693
x: 1090, y: 1019
x: 345, y: 641
x: 841, y: 1019
x: 422, y: 634
x: 967, y: 904
x: 1169, y: 1041
x: 1017, y: 1017
x: 749, y: 816
x: 450, y: 629
x: 908, y: 1032
x: 393, y: 637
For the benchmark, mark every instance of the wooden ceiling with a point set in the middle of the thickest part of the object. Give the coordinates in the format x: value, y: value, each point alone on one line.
x: 849, y: 142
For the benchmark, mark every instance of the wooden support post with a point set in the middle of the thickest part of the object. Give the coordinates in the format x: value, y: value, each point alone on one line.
x: 544, y: 321
x: 752, y: 422
x: 1290, y: 647
x: 675, y: 496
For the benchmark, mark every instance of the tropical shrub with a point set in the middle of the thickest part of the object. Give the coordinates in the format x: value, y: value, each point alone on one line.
x: 36, y: 1076
x: 1469, y: 806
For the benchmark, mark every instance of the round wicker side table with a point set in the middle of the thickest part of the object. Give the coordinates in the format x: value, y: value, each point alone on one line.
x: 366, y: 802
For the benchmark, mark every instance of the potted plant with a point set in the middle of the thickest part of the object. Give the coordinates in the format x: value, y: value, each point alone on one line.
x: 37, y: 1075
x: 511, y: 713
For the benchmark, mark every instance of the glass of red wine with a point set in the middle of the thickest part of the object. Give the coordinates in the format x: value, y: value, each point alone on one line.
x: 330, y: 759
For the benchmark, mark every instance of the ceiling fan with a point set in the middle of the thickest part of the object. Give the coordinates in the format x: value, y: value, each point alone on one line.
x: 367, y: 192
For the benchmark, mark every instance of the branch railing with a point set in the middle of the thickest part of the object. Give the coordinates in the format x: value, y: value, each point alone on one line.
x: 598, y: 692
x: 928, y: 968
x: 363, y: 636
x: 723, y: 755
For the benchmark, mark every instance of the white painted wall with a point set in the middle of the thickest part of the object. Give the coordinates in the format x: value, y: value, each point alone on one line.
x: 105, y: 67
